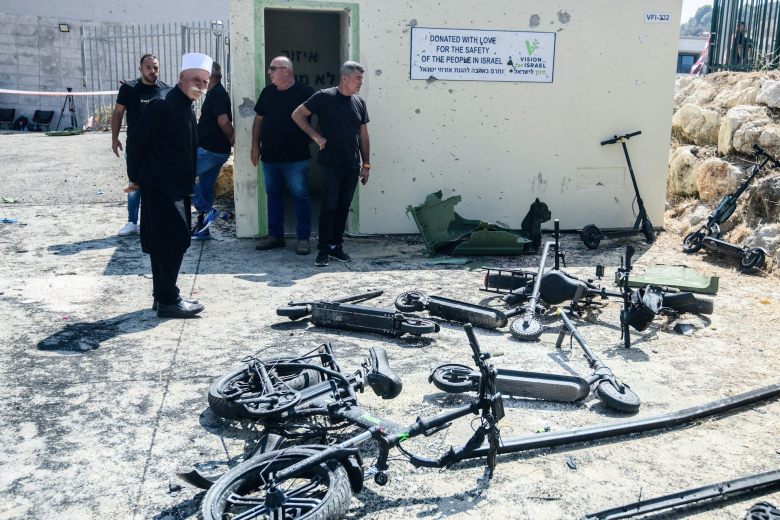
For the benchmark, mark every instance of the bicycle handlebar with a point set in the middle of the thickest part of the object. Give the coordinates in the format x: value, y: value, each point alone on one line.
x: 618, y: 138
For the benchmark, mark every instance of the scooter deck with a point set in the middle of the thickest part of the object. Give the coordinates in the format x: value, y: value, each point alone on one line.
x: 538, y: 385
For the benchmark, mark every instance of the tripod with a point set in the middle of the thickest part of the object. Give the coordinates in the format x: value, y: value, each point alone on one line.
x: 71, y: 108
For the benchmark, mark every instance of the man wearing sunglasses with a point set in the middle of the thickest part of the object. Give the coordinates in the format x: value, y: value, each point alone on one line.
x: 283, y: 149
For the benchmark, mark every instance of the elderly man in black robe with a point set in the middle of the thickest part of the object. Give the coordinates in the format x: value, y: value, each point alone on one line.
x: 161, y: 160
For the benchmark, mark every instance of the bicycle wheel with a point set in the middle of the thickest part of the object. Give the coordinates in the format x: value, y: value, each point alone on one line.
x: 319, y: 493
x: 417, y: 327
x: 752, y: 260
x: 526, y: 328
x: 648, y: 231
x: 224, y: 390
x: 693, y: 241
x: 453, y: 378
x: 409, y: 301
x: 617, y: 396
x: 294, y: 312
x: 591, y: 236
x: 686, y: 302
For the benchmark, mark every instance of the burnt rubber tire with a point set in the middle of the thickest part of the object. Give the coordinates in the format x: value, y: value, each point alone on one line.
x: 648, y: 231
x: 752, y: 260
x: 453, y: 378
x: 526, y: 328
x: 409, y: 301
x: 693, y: 242
x: 295, y: 312
x: 325, y: 488
x: 228, y: 409
x: 763, y: 511
x: 417, y: 327
x: 622, y: 400
x: 591, y: 236
x: 697, y: 306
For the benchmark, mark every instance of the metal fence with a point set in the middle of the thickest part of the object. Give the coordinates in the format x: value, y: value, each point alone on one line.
x: 745, y: 35
x: 111, y: 54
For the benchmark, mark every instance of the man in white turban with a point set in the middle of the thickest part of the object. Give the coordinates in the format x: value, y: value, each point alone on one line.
x: 161, y: 160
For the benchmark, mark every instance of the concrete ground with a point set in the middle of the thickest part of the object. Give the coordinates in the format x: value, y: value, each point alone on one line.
x: 104, y: 401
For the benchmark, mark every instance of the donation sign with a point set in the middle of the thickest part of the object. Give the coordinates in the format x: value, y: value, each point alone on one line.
x: 477, y: 55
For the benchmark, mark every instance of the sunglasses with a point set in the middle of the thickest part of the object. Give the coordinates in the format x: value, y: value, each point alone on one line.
x: 273, y: 69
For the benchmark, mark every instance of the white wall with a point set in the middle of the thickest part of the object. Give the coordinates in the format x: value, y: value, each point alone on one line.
x: 500, y: 145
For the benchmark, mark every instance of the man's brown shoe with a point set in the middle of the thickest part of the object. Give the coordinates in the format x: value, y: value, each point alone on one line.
x: 303, y: 247
x: 270, y: 243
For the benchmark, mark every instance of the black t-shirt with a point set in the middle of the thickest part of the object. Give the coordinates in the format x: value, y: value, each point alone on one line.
x: 136, y: 94
x: 282, y: 140
x: 210, y: 135
x: 340, y: 119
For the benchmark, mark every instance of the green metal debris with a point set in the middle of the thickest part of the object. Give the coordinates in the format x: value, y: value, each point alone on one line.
x: 680, y: 277
x: 444, y: 231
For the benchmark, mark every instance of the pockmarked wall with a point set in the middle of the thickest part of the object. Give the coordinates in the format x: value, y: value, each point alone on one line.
x: 496, y: 134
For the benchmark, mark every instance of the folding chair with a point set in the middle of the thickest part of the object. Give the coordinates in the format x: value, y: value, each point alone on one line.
x: 7, y: 116
x: 43, y: 118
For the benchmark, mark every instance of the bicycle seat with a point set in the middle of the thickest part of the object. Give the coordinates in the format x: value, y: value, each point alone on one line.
x: 381, y: 378
x: 557, y: 287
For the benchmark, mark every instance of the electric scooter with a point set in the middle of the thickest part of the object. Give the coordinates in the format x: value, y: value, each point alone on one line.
x: 751, y: 258
x: 591, y: 235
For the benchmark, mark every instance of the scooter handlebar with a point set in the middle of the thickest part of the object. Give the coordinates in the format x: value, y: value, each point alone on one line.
x: 618, y: 138
x: 761, y: 151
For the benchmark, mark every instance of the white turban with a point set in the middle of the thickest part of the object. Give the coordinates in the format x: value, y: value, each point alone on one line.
x: 195, y: 60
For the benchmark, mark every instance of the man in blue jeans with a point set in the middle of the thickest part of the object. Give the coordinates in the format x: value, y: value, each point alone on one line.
x: 132, y: 98
x: 283, y: 149
x: 215, y: 138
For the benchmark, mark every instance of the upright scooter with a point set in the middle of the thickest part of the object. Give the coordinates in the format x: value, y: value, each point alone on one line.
x: 751, y: 258
x: 591, y: 235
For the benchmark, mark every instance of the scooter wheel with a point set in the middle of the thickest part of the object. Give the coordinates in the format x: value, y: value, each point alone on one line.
x: 409, y: 301
x: 453, y: 378
x: 591, y: 236
x: 752, y: 260
x: 294, y: 312
x: 693, y: 242
x: 526, y: 328
x: 417, y: 327
x: 617, y: 396
x: 648, y: 231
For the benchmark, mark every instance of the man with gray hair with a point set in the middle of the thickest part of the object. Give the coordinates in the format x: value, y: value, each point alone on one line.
x: 283, y: 149
x: 344, y: 154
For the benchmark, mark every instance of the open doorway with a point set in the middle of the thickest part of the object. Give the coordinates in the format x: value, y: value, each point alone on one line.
x: 315, y: 43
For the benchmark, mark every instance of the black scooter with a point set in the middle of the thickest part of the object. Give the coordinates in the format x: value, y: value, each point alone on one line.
x: 751, y: 258
x: 591, y: 235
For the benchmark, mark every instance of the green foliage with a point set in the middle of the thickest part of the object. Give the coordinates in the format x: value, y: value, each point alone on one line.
x: 699, y: 22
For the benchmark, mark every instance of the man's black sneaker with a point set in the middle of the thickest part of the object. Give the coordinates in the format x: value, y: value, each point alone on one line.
x: 322, y: 259
x: 340, y: 255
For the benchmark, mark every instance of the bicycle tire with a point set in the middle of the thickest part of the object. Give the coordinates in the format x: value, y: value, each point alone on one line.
x: 752, y: 260
x: 228, y: 409
x: 648, y: 231
x: 699, y: 305
x: 620, y: 398
x: 417, y: 327
x: 327, y: 497
x: 294, y: 312
x: 591, y: 236
x: 693, y: 241
x: 452, y: 378
x: 409, y: 301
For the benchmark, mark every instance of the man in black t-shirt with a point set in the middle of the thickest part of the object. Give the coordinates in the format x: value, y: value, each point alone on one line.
x: 283, y: 149
x: 215, y: 138
x: 132, y: 98
x: 343, y: 142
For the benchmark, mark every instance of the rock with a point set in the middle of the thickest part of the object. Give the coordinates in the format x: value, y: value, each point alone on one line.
x: 681, y: 180
x: 715, y: 178
x: 763, y: 200
x: 749, y: 134
x: 767, y: 237
x: 694, y: 124
x: 744, y: 92
x: 734, y: 119
x: 769, y: 94
x: 698, y: 216
x: 769, y: 140
x: 224, y: 187
x: 695, y: 91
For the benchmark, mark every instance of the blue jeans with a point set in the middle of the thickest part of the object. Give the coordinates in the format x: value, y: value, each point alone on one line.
x: 295, y: 176
x: 209, y: 165
x: 133, y: 203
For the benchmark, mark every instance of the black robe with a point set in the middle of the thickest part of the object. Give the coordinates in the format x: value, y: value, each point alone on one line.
x: 162, y: 159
